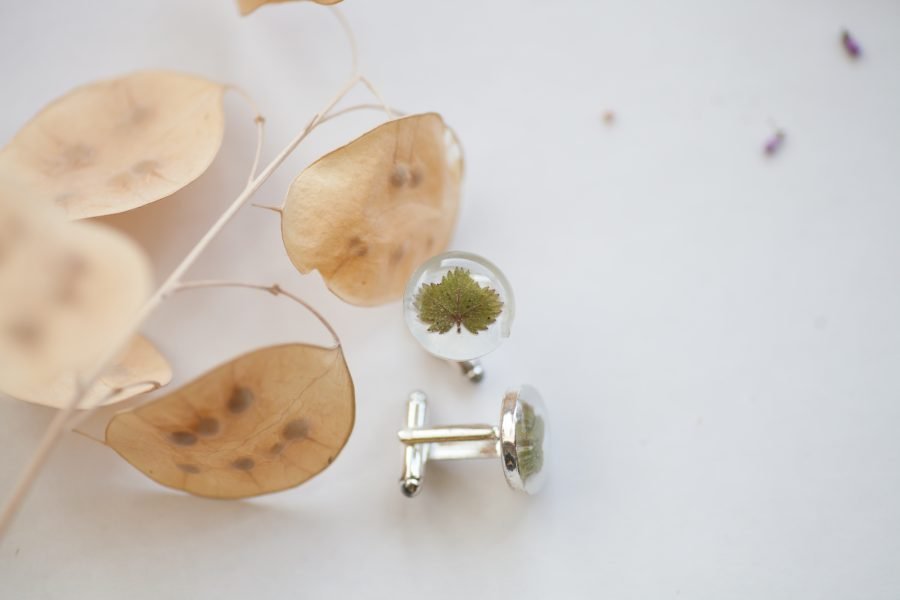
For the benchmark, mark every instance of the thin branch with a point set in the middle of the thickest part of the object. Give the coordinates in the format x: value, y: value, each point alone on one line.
x: 378, y: 96
x: 389, y: 110
x: 247, y: 98
x: 276, y: 209
x: 259, y: 121
x: 274, y: 289
x: 351, y: 37
x: 89, y: 436
x: 58, y: 425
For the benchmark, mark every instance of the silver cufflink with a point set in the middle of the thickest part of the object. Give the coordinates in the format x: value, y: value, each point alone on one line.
x: 519, y: 441
x: 459, y: 307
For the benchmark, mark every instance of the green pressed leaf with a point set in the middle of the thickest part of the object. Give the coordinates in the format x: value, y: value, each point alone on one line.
x: 457, y: 301
x: 530, y: 436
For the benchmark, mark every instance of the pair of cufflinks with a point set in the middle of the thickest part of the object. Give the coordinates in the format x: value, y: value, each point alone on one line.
x: 459, y: 307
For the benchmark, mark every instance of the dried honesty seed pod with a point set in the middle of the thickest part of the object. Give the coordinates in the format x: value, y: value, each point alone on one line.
x: 248, y: 6
x: 66, y: 290
x: 263, y: 422
x: 367, y: 214
x: 112, y: 146
x: 139, y: 370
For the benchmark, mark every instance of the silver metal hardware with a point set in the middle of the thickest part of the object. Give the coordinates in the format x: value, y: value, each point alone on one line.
x: 520, y: 441
x: 472, y: 369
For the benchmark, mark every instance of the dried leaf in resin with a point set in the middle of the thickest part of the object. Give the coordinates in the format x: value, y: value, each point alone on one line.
x: 66, y: 291
x: 457, y: 301
x: 366, y: 215
x: 248, y: 6
x: 263, y: 422
x: 112, y: 146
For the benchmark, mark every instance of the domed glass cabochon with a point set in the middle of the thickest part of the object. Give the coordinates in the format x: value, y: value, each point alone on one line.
x: 450, y: 295
x: 524, y: 439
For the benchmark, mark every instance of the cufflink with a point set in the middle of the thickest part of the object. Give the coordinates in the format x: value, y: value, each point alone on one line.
x: 459, y: 306
x: 519, y: 441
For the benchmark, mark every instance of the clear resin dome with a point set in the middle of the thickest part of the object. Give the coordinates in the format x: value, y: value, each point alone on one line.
x: 459, y: 306
x: 524, y: 439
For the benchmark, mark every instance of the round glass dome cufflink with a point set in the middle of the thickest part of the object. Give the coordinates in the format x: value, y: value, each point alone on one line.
x: 459, y: 306
x: 520, y: 441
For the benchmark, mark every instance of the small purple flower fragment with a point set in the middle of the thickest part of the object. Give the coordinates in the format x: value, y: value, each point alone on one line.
x: 850, y: 45
x: 774, y: 143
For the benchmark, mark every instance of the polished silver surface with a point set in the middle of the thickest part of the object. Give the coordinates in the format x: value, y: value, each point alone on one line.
x: 519, y: 442
x: 456, y: 433
x: 473, y: 370
x: 414, y: 456
x: 524, y: 438
x: 485, y: 449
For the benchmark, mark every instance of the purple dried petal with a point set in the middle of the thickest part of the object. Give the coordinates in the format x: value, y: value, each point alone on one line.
x: 774, y: 143
x: 850, y: 45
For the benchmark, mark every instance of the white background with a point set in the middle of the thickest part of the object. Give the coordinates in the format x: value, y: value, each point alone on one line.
x: 717, y: 334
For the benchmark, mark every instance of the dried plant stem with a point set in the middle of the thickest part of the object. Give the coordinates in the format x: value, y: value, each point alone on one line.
x: 274, y: 289
x: 276, y: 209
x: 377, y: 95
x: 88, y: 436
x: 389, y: 110
x: 61, y: 419
x: 260, y: 121
x: 354, y: 57
x: 351, y: 38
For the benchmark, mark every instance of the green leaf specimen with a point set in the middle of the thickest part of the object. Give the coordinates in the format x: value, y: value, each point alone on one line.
x: 530, y: 443
x: 457, y: 301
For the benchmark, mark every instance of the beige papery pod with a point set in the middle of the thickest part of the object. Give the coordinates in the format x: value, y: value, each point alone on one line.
x: 260, y: 423
x: 112, y: 146
x: 367, y: 214
x: 66, y: 290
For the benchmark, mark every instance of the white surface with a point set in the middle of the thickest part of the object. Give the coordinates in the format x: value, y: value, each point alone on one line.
x: 717, y: 335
